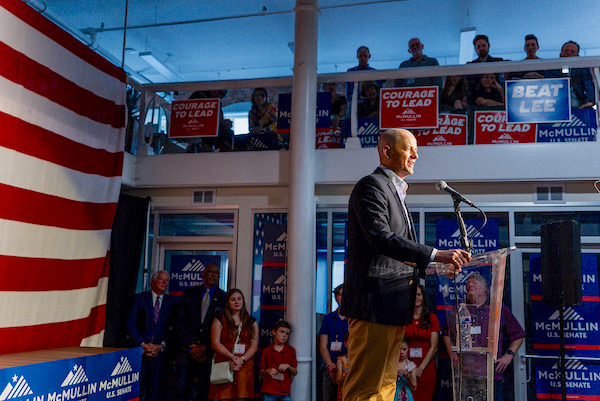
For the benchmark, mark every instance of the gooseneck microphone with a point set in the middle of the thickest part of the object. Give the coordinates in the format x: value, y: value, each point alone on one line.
x: 443, y: 186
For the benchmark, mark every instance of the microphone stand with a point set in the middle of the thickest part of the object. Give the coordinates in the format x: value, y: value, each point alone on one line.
x: 464, y: 241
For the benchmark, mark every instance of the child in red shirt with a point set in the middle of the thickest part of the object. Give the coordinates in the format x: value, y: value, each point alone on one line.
x: 278, y: 364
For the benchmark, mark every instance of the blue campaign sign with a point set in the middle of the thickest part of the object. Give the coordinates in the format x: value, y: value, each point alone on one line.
x: 582, y: 380
x: 275, y: 245
x: 284, y: 113
x: 323, y: 112
x: 114, y: 376
x: 538, y: 100
x: 273, y: 282
x: 448, y: 235
x: 186, y: 271
x: 582, y: 330
x: 583, y: 127
x: 368, y: 131
x: 272, y: 301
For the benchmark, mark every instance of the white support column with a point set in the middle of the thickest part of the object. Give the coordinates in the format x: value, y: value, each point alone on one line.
x: 301, y: 214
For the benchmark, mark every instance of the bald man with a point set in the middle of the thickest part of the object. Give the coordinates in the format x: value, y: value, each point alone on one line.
x: 385, y: 262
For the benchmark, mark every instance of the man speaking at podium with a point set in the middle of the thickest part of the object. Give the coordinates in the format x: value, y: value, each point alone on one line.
x: 385, y: 262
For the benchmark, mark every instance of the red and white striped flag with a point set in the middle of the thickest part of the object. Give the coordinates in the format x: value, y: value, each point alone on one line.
x: 62, y: 109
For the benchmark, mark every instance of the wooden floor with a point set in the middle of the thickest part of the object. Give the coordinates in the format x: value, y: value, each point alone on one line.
x: 27, y: 358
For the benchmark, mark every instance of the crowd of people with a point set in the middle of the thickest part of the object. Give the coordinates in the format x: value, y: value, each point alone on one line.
x: 460, y: 93
x: 183, y: 340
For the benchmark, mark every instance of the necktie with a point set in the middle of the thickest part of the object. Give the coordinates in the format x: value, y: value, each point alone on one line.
x: 205, y: 303
x: 156, y: 309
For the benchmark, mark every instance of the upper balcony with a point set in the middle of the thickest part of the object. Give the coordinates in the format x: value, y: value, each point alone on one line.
x: 473, y: 149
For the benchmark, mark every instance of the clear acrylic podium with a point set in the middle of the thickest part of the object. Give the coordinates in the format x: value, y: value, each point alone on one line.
x: 480, y: 286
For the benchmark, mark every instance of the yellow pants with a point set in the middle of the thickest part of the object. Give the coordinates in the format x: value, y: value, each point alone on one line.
x: 373, y: 353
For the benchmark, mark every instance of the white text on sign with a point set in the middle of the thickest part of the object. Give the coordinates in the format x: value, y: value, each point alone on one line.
x: 537, y: 91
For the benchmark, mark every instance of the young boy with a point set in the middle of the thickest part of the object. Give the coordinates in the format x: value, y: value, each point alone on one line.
x: 278, y: 365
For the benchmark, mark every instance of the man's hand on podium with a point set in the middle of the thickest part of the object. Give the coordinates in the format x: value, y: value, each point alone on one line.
x: 455, y: 257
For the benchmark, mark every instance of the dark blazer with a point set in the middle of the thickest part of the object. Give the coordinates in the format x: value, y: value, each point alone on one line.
x: 378, y: 286
x: 140, y: 321
x: 189, y: 327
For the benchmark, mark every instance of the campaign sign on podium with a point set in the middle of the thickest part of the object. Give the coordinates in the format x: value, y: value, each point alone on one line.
x: 480, y: 287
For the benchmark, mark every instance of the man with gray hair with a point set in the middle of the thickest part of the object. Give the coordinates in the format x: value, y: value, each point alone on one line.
x: 418, y: 59
x: 147, y: 325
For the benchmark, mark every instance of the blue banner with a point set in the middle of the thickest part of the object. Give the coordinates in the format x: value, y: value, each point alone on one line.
x: 538, y: 100
x: 284, y: 112
x: 582, y: 128
x: 448, y: 235
x: 582, y: 329
x: 114, y: 376
x: 186, y: 271
x: 368, y: 132
x: 273, y: 283
x: 582, y: 380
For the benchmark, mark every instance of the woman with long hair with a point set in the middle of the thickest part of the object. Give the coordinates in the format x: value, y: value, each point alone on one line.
x: 454, y: 93
x: 232, y: 322
x: 423, y: 335
x: 262, y: 117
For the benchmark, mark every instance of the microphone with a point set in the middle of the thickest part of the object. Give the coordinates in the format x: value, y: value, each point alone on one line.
x: 443, y: 186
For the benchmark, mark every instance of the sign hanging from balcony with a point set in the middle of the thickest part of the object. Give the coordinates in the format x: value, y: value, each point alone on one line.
x: 284, y: 112
x: 415, y: 107
x: 195, y: 118
x: 491, y: 128
x: 451, y: 130
x: 538, y: 100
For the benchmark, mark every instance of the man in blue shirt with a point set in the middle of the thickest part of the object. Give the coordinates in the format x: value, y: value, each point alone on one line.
x: 418, y: 59
x: 582, y: 85
x: 363, y: 55
x: 331, y: 345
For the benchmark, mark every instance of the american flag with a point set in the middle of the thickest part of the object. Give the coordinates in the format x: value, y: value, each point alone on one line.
x: 62, y: 109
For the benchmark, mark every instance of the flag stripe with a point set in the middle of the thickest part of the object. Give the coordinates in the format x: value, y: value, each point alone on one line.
x: 53, y: 86
x: 49, y: 274
x: 52, y: 335
x: 29, y: 41
x: 36, y: 241
x: 27, y: 308
x: 23, y: 205
x: 93, y: 340
x: 37, y: 21
x: 37, y: 110
x: 51, y: 179
x: 46, y: 145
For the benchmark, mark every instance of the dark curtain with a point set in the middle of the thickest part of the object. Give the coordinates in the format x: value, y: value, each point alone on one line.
x: 126, y: 247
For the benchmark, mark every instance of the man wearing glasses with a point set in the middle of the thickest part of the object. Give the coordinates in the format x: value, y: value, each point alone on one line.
x: 195, y: 314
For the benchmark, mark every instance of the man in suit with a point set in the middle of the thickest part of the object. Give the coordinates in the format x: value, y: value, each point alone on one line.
x: 147, y: 326
x: 385, y: 262
x: 195, y: 315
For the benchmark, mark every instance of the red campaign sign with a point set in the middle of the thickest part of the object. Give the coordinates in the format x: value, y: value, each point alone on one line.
x: 330, y: 139
x: 415, y: 107
x: 491, y: 128
x: 451, y: 130
x: 193, y: 118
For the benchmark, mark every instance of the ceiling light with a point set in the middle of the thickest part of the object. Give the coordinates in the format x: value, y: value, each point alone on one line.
x: 158, y: 66
x: 465, y: 51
